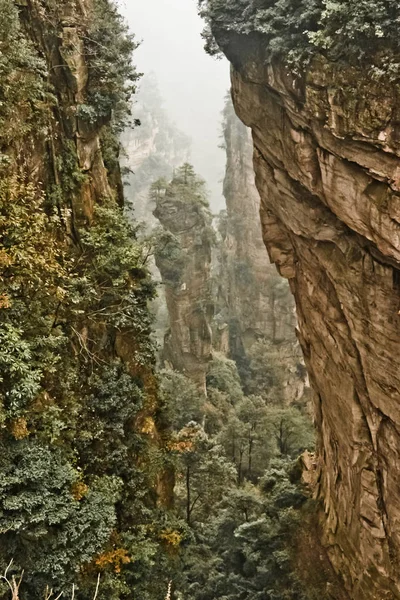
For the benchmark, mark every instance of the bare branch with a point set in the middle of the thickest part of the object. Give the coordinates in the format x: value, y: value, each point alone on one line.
x: 97, y: 587
x: 168, y: 596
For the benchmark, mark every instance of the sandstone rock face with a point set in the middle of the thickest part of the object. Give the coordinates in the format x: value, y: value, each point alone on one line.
x: 69, y: 77
x: 327, y: 162
x: 254, y: 302
x: 187, y: 282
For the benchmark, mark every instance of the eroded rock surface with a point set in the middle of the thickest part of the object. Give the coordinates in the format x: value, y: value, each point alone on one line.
x: 184, y: 261
x: 328, y: 170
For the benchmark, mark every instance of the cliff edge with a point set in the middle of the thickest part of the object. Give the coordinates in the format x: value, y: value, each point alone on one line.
x: 327, y: 165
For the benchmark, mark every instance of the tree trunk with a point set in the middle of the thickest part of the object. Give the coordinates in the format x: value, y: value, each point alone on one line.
x: 188, y: 500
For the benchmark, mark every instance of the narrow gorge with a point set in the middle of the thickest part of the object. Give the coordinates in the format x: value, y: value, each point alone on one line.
x: 199, y: 379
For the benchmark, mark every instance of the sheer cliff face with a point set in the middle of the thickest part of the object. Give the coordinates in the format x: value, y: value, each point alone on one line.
x: 60, y: 39
x: 254, y: 300
x: 328, y: 170
x: 251, y: 276
x: 184, y: 263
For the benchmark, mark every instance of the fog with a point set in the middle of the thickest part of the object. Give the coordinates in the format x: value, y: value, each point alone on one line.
x: 192, y: 83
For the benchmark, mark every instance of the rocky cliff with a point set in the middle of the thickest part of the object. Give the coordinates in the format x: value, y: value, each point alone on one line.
x: 254, y: 303
x: 183, y: 256
x: 327, y: 162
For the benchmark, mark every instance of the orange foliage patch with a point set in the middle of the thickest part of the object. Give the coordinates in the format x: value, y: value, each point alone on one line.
x: 148, y: 426
x: 19, y: 428
x: 181, y: 447
x: 171, y: 537
x: 79, y: 490
x: 4, y: 301
x: 115, y: 559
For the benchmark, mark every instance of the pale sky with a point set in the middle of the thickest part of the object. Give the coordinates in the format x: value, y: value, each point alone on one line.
x: 192, y: 83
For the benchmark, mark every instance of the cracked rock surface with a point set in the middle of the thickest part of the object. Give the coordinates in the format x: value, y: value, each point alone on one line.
x: 327, y: 162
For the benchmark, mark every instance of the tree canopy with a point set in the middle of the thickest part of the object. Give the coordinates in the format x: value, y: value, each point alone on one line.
x: 361, y: 33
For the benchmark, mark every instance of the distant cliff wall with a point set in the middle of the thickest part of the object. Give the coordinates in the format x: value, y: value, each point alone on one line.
x: 254, y: 302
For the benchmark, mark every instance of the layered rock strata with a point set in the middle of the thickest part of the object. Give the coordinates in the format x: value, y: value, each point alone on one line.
x: 327, y: 162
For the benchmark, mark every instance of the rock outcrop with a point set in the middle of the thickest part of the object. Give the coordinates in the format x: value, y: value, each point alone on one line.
x: 254, y: 303
x: 183, y: 257
x: 327, y: 162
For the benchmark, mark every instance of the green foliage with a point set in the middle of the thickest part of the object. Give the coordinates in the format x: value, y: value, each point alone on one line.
x: 246, y: 549
x: 71, y: 428
x: 291, y: 430
x: 177, y: 391
x: 80, y: 454
x: 187, y: 188
x: 22, y: 79
x: 357, y: 33
x: 20, y: 375
x: 111, y: 282
x: 246, y: 438
x: 222, y: 375
x: 44, y: 525
x: 202, y: 470
x: 31, y: 273
x: 262, y: 373
x: 112, y: 76
x: 238, y: 490
x: 168, y: 252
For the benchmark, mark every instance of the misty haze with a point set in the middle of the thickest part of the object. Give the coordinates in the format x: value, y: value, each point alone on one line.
x: 192, y: 84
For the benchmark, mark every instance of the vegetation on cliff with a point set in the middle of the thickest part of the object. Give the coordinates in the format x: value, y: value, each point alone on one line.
x: 359, y: 33
x: 238, y: 494
x: 77, y: 447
